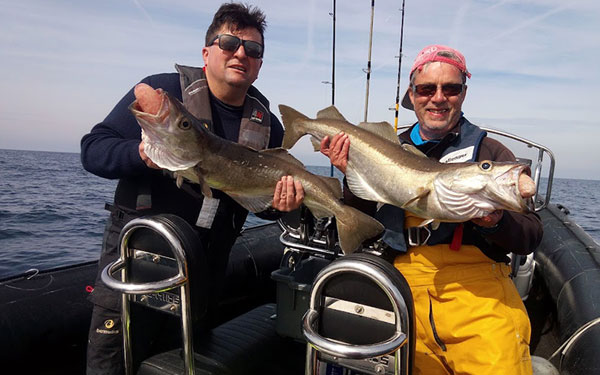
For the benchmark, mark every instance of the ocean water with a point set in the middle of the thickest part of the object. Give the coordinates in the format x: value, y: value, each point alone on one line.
x: 52, y: 211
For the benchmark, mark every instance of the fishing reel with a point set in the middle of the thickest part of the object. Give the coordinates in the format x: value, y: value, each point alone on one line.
x: 304, y: 234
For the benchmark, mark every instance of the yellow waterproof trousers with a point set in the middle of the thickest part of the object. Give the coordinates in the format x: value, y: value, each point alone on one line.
x: 469, y: 316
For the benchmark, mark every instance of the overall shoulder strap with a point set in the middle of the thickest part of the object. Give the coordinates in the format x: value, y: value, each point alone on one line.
x: 466, y: 145
x: 194, y: 91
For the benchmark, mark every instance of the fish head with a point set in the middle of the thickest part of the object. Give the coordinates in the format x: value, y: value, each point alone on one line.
x: 173, y: 138
x: 477, y: 189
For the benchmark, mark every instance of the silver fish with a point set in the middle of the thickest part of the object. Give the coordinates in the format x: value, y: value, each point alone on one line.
x: 380, y: 169
x: 176, y: 140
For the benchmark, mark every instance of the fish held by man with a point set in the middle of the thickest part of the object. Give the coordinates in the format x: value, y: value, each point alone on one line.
x: 381, y: 169
x: 176, y: 140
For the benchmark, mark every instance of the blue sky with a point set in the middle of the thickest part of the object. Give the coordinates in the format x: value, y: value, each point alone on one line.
x: 534, y: 64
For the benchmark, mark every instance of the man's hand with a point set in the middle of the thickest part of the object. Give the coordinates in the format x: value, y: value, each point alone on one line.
x: 489, y: 220
x: 145, y: 157
x: 337, y: 150
x: 288, y: 195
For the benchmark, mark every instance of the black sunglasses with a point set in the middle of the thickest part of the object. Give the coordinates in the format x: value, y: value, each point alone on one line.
x: 448, y: 89
x: 231, y: 43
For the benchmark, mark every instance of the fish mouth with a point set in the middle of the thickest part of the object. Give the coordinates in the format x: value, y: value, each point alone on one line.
x: 154, y: 128
x: 157, y: 118
x: 511, y: 180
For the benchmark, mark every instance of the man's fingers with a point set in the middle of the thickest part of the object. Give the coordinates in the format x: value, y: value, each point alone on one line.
x: 335, y: 141
x: 299, y: 192
x: 325, y: 145
x: 277, y: 194
x: 345, y: 147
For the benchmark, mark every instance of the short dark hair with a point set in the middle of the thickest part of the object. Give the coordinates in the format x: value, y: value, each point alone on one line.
x: 238, y: 17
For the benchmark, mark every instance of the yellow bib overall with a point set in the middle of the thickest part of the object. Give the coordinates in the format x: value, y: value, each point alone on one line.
x: 469, y: 316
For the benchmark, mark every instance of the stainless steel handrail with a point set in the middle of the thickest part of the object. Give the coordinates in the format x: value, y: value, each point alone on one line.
x: 127, y: 288
x: 342, y: 350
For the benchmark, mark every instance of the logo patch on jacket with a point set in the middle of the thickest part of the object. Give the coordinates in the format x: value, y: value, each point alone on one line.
x: 257, y: 116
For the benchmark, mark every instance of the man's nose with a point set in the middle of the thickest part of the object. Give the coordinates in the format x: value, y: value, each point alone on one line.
x: 439, y: 94
x: 240, y: 52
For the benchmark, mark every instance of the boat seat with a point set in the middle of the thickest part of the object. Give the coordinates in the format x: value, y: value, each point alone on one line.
x: 370, y: 295
x: 247, y: 344
x: 542, y: 366
x: 523, y: 267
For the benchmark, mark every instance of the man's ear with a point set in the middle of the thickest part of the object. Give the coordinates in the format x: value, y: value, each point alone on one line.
x: 205, y: 52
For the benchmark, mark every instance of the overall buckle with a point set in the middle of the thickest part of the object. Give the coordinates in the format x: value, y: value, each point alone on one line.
x: 418, y: 236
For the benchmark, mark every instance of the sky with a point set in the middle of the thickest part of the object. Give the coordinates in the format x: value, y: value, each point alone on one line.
x: 534, y: 64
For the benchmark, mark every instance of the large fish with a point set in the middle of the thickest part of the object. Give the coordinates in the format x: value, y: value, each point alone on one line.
x: 380, y: 169
x: 175, y: 140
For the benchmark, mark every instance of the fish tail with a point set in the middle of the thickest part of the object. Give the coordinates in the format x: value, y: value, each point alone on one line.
x: 289, y: 117
x: 354, y: 227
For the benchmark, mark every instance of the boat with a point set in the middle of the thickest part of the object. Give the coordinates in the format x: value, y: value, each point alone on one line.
x: 290, y: 297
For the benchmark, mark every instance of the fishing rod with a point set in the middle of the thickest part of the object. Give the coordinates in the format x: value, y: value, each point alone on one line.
x: 333, y: 58
x: 399, y: 67
x: 368, y: 70
x: 332, y: 71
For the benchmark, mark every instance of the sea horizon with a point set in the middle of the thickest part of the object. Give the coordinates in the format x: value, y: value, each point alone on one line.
x: 309, y: 165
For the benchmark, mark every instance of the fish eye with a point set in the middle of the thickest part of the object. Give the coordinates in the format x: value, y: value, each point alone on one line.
x: 485, y: 165
x: 184, y: 124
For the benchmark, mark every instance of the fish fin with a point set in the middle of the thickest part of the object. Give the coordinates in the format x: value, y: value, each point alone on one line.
x: 359, y: 187
x: 421, y: 193
x: 206, y: 191
x: 289, y: 116
x: 283, y: 154
x: 178, y: 180
x: 316, y: 144
x: 195, y: 176
x: 413, y: 150
x: 253, y: 203
x: 354, y: 227
x: 383, y: 129
x: 331, y: 113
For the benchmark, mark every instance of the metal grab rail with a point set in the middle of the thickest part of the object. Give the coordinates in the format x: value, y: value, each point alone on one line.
x: 341, y: 350
x: 127, y: 288
x: 396, y: 343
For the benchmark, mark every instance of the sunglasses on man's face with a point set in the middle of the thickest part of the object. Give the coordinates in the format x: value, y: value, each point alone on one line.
x: 429, y: 89
x: 231, y: 43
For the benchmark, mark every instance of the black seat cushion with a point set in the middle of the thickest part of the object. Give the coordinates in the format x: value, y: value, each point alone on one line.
x: 247, y: 344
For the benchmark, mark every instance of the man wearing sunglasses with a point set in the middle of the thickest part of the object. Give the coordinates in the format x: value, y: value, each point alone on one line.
x: 470, y: 318
x: 220, y: 93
